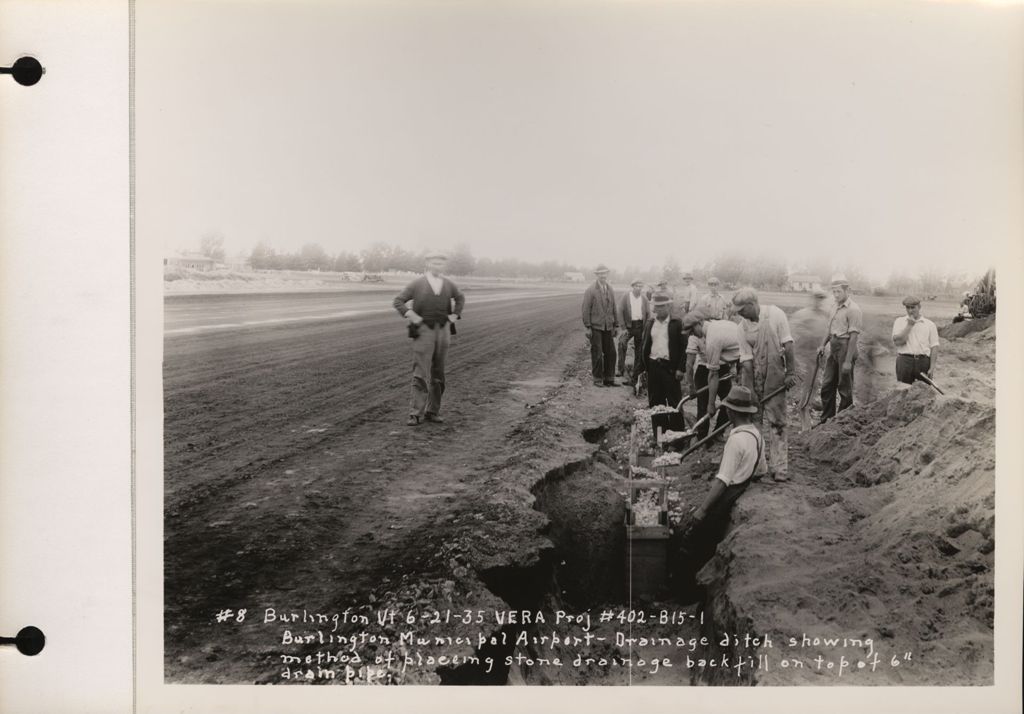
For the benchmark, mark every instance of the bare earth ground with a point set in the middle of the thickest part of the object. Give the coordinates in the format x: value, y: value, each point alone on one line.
x: 290, y: 482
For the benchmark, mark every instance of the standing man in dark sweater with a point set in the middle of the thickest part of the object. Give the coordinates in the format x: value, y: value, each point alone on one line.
x: 601, y: 322
x: 436, y: 304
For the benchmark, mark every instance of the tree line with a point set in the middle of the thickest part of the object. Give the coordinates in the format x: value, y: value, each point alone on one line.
x: 735, y: 269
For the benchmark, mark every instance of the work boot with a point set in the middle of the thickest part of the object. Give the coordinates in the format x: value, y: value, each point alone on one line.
x: 598, y: 383
x: 413, y: 420
x: 780, y: 477
x: 433, y: 417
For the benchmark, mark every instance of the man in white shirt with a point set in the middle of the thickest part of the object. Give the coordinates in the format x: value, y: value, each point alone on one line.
x: 767, y: 333
x: 713, y: 304
x: 917, y: 342
x: 662, y: 353
x: 633, y: 313
x: 688, y: 296
x: 742, y: 460
x: 724, y: 351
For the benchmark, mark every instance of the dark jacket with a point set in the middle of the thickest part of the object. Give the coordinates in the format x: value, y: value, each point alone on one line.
x: 676, y: 344
x: 625, y: 316
x: 434, y: 309
x: 599, y: 310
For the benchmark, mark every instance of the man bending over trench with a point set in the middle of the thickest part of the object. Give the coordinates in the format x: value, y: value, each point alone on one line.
x: 742, y: 460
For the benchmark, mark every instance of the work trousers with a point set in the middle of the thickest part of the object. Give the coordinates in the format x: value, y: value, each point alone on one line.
x: 910, y: 367
x: 602, y: 355
x: 662, y: 385
x: 429, y: 351
x: 700, y: 380
x: 833, y: 380
x: 635, y: 332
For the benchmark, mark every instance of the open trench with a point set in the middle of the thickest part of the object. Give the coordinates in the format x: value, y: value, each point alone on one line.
x: 605, y: 610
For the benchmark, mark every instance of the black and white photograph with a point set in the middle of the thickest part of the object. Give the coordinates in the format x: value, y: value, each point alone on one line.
x: 594, y: 343
x: 579, y: 343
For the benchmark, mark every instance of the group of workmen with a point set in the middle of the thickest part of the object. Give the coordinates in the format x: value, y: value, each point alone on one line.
x: 712, y: 347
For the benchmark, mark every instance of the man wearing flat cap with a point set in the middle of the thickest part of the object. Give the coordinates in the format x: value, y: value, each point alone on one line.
x: 713, y: 304
x: 662, y: 353
x: 718, y: 349
x: 917, y: 343
x: 844, y: 328
x: 688, y: 296
x: 601, y: 323
x: 436, y: 304
x: 767, y: 332
x: 633, y: 313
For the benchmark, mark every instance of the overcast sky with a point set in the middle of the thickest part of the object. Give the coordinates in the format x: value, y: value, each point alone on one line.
x: 885, y: 135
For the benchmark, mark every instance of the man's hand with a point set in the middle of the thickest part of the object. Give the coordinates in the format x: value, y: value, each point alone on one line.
x: 821, y: 350
x: 790, y: 381
x: 711, y: 411
x: 680, y: 375
x: 452, y: 317
x: 615, y: 332
x: 929, y: 373
x: 588, y: 332
x: 413, y: 318
x: 847, y: 367
x: 699, y: 515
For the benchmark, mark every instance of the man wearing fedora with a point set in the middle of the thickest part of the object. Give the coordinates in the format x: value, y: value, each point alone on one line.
x: 917, y: 343
x: 601, y: 323
x: 742, y: 460
x: 634, y: 310
x: 436, y: 304
x: 844, y: 328
x: 662, y: 353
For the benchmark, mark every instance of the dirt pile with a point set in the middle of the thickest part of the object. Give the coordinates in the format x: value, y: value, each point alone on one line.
x: 885, y: 534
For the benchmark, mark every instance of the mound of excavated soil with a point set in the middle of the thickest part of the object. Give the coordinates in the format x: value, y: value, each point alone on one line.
x: 886, y: 532
x: 963, y: 328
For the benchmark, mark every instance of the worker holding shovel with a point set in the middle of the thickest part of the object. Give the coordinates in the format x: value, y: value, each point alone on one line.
x: 723, y: 350
x: 742, y: 460
x: 767, y: 332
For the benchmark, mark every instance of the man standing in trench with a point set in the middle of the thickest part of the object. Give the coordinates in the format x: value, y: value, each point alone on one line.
x: 742, y: 460
x: 767, y: 332
x: 844, y: 328
x: 601, y: 323
x: 436, y: 304
x: 917, y: 343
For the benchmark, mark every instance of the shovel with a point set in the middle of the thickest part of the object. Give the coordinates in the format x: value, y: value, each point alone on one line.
x: 924, y: 378
x: 722, y: 428
x: 805, y: 404
x: 700, y: 391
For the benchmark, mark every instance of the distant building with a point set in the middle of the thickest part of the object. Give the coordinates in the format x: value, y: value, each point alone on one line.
x: 574, y: 277
x: 189, y: 261
x: 802, y: 282
x: 239, y: 264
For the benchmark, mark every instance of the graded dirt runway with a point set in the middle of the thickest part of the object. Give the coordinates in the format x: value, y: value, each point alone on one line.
x: 290, y: 476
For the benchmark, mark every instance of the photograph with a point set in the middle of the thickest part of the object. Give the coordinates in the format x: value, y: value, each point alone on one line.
x: 580, y: 343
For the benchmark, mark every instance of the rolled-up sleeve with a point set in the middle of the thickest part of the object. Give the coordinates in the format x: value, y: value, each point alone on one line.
x: 781, y: 325
x: 933, y: 336
x: 855, y: 318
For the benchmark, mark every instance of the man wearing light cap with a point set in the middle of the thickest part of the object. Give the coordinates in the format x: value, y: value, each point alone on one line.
x: 688, y: 296
x: 844, y: 328
x: 917, y: 343
x: 634, y: 310
x: 767, y: 332
x: 601, y: 325
x: 436, y: 304
x: 723, y: 350
x: 713, y: 304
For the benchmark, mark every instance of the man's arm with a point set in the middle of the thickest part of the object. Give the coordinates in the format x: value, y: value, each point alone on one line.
x: 717, y: 489
x: 933, y: 353
x: 712, y: 391
x: 460, y: 299
x: 587, y: 304
x: 403, y: 297
x: 790, y: 354
x: 691, y: 366
x: 899, y: 337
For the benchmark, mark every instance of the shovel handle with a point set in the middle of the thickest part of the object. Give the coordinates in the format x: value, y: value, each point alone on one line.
x: 926, y: 379
x: 700, y: 391
x: 725, y: 426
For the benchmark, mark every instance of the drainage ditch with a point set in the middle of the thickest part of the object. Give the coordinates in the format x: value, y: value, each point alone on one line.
x: 588, y: 572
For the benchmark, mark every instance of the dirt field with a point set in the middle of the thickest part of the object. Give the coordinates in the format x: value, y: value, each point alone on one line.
x: 292, y: 483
